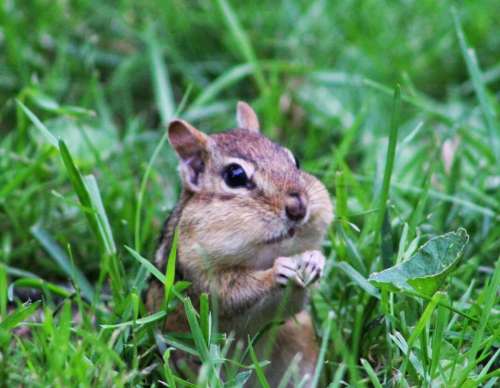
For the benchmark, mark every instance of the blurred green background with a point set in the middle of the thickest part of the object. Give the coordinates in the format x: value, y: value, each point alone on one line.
x: 307, y: 68
x: 107, y: 76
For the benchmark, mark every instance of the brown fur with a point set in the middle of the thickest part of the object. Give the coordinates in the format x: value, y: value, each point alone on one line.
x: 224, y: 235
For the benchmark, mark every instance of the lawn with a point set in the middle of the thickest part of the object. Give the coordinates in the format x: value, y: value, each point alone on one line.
x: 393, y: 105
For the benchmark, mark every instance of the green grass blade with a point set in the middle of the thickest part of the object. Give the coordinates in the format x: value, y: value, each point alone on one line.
x: 102, y: 219
x: 142, y: 191
x: 39, y: 284
x: 205, y: 317
x: 422, y: 322
x: 243, y: 42
x: 371, y: 373
x: 139, y: 279
x: 224, y: 81
x: 170, y: 270
x: 172, y: 341
x: 39, y: 125
x: 81, y: 191
x: 167, y: 371
x: 88, y: 193
x: 325, y: 339
x: 358, y: 279
x: 196, y: 332
x: 389, y: 162
x: 438, y: 338
x: 259, y: 372
x: 338, y: 376
x: 62, y: 260
x: 3, y: 290
x: 141, y: 321
x: 15, y: 318
x: 150, y: 267
x: 161, y: 82
x: 490, y: 293
x: 487, y: 109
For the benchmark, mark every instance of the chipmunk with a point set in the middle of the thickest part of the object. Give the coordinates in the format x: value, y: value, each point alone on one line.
x: 250, y: 221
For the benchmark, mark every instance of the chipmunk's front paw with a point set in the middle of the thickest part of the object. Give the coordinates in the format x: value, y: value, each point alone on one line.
x: 285, y: 271
x: 310, y: 267
x: 301, y: 270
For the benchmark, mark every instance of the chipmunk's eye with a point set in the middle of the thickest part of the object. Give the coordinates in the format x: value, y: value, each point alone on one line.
x: 235, y: 176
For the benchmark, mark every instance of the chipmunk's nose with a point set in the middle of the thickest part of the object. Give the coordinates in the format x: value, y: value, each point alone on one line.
x: 295, y: 206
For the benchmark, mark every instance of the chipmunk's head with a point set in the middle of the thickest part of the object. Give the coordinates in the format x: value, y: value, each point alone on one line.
x: 246, y: 199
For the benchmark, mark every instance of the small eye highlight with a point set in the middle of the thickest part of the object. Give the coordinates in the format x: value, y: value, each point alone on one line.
x: 297, y: 162
x: 235, y: 176
x: 293, y: 158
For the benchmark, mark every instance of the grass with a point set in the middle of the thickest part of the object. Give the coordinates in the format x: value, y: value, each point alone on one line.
x: 86, y: 179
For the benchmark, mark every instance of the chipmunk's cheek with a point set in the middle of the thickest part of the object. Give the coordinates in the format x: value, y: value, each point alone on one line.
x: 226, y: 230
x: 321, y: 209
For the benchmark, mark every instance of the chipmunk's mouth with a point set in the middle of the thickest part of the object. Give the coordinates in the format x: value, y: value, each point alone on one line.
x: 282, y: 237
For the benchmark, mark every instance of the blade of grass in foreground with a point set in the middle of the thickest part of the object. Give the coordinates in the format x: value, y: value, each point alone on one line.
x: 62, y: 260
x: 39, y: 284
x: 371, y: 373
x: 196, y: 332
x: 140, y: 277
x: 420, y: 326
x: 389, y: 161
x: 3, y: 290
x: 170, y: 270
x: 477, y: 82
x: 102, y: 218
x: 141, y: 321
x: 150, y: 267
x: 88, y: 193
x: 322, y: 351
x: 490, y: 295
x: 261, y: 377
x: 38, y: 124
x: 18, y: 316
x: 79, y: 187
x: 381, y: 201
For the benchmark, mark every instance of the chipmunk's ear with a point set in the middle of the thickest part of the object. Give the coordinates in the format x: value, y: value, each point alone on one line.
x: 246, y: 117
x: 192, y: 147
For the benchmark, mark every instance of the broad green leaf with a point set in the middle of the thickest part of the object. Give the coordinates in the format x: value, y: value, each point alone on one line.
x: 424, y: 272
